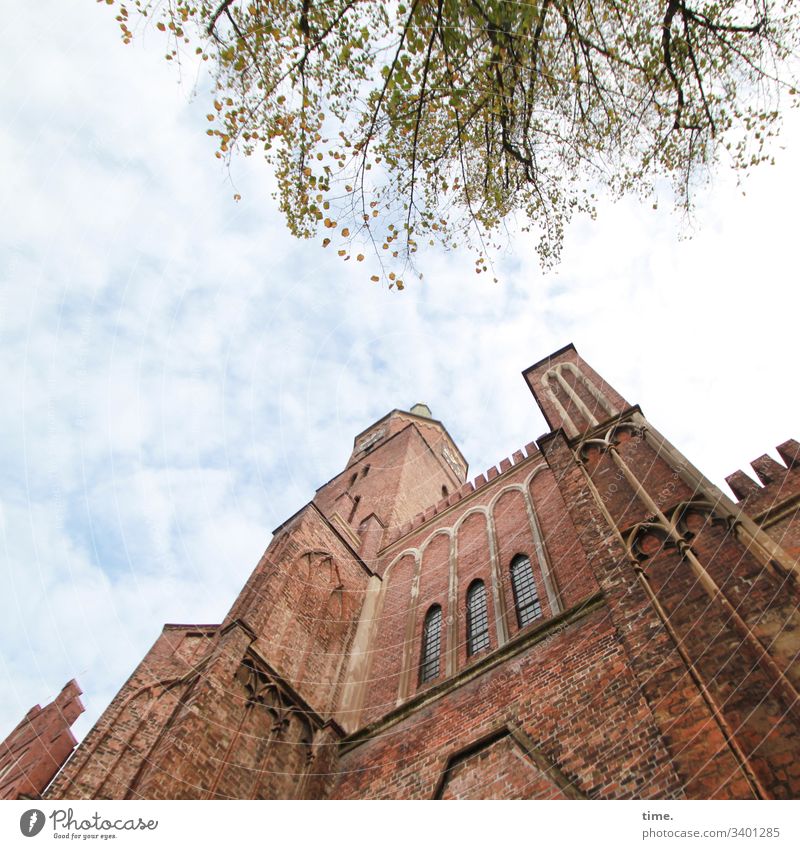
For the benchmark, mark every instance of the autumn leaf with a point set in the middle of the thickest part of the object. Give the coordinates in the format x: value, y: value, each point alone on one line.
x: 483, y: 112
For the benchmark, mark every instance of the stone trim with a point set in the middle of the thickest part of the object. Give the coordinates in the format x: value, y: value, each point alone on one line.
x: 518, y: 644
x: 417, y: 418
x: 783, y: 510
x: 525, y: 744
x: 460, y: 503
x: 293, y: 695
x: 339, y: 535
x: 568, y: 347
x: 345, y: 530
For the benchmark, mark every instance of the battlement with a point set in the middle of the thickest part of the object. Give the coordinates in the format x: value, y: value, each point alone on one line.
x: 778, y: 483
x: 542, y: 588
x: 466, y: 489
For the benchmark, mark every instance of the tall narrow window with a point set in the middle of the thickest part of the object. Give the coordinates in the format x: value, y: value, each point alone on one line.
x: 431, y: 644
x: 477, y: 618
x: 526, y: 599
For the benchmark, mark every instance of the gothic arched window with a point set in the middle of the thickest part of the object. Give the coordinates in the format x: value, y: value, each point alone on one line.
x: 477, y: 618
x: 431, y: 644
x: 526, y: 599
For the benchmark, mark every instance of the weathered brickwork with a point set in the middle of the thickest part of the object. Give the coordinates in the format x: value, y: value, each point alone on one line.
x: 658, y: 660
x: 573, y: 696
x: 775, y: 504
x: 402, y: 472
x: 110, y: 756
x: 501, y: 768
x: 304, y: 605
x: 36, y: 749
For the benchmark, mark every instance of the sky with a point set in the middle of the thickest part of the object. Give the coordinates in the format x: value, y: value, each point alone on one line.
x: 179, y: 374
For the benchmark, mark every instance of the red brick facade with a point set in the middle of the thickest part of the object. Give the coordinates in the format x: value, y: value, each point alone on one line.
x: 36, y: 749
x: 657, y: 660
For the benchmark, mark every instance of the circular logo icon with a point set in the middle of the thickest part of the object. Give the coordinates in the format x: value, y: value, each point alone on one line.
x: 31, y: 822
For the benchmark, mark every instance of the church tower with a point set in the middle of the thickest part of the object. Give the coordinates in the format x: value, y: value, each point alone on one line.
x: 244, y: 709
x: 591, y: 618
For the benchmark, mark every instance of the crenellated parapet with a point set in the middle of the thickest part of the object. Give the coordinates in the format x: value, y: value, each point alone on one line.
x: 589, y: 618
x: 779, y: 483
x: 774, y: 504
x: 466, y: 490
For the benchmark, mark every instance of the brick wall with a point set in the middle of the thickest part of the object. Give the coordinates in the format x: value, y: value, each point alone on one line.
x: 473, y: 538
x: 109, y: 757
x: 775, y: 502
x: 661, y: 666
x: 35, y: 750
x: 572, y: 694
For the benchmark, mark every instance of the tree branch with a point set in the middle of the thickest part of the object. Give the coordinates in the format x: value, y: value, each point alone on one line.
x: 425, y: 70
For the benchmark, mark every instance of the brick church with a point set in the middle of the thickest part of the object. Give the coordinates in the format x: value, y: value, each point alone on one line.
x: 591, y: 619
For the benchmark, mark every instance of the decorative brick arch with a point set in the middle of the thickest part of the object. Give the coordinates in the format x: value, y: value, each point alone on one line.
x: 539, y: 554
x: 493, y: 576
x: 528, y: 768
